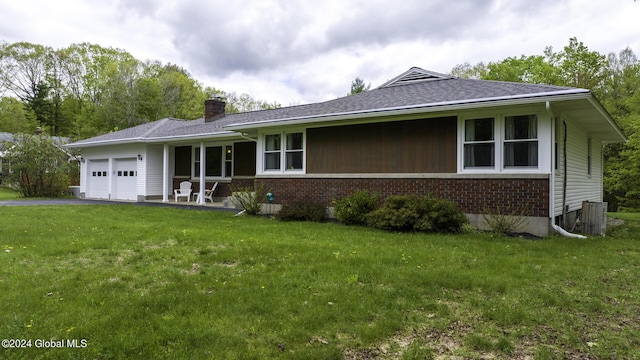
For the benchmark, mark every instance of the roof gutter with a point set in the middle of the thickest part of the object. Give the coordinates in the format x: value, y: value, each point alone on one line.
x: 570, y: 94
x: 140, y: 140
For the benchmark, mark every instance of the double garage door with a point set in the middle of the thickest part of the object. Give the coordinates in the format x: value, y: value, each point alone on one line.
x: 122, y: 179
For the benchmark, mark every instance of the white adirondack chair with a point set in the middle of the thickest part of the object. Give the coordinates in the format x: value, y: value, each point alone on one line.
x: 208, y: 193
x: 184, y: 191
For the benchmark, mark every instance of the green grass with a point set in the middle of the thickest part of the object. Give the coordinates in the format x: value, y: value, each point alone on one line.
x: 139, y: 282
x: 8, y: 194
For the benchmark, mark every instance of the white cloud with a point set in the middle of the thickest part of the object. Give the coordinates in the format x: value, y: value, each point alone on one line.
x: 305, y: 51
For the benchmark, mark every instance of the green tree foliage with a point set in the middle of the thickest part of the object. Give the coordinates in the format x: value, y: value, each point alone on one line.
x: 39, y: 168
x: 244, y: 103
x: 358, y: 86
x: 86, y: 90
x: 468, y: 71
x: 529, y: 69
x: 14, y: 117
x: 614, y: 79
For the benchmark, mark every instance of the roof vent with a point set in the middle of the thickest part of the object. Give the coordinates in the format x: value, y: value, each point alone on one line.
x: 415, y: 75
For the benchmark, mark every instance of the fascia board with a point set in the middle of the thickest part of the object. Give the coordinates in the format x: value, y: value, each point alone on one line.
x: 596, y: 104
x: 206, y: 136
x: 153, y: 140
x: 560, y: 95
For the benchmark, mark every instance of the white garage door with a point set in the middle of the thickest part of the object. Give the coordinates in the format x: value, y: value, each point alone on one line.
x: 126, y: 175
x: 98, y: 179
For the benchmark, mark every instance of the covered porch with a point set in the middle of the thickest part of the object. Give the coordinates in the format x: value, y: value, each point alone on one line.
x: 203, y: 164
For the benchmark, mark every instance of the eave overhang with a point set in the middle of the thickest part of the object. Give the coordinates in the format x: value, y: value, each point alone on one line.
x: 576, y: 103
x: 413, y: 109
x: 159, y: 139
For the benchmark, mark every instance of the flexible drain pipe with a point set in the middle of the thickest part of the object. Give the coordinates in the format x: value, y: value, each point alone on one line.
x: 564, y: 232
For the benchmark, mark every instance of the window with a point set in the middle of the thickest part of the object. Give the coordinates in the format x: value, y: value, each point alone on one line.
x: 228, y: 161
x: 213, y: 165
x: 287, y: 148
x: 294, y: 151
x: 521, y: 141
x: 479, y: 144
x: 501, y: 143
x: 272, y: 145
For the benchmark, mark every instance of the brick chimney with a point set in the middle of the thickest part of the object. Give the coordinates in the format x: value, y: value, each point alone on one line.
x: 214, y: 109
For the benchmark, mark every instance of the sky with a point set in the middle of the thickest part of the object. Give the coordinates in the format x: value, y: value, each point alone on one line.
x: 298, y: 51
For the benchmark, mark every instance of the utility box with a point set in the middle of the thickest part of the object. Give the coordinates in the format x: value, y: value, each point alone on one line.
x: 594, y: 218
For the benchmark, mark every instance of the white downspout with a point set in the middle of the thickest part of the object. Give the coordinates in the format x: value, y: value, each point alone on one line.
x: 552, y: 180
x: 245, y: 136
x: 555, y: 227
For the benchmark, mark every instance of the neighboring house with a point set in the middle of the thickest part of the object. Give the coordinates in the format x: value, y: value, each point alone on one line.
x: 6, y: 139
x: 488, y: 146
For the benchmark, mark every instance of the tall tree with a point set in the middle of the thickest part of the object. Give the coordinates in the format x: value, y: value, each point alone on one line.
x: 529, y: 69
x: 24, y: 70
x: 358, y: 86
x: 468, y: 71
x: 580, y: 67
x: 14, y: 117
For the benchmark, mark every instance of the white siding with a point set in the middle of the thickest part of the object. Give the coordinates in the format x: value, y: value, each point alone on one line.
x: 153, y: 168
x: 581, y: 186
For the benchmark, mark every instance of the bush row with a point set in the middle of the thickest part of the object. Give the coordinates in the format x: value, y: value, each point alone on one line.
x: 400, y: 213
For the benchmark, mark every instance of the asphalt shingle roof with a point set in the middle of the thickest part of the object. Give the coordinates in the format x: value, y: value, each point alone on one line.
x: 395, y: 94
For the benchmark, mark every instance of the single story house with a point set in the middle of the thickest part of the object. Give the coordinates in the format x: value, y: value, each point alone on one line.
x: 489, y: 146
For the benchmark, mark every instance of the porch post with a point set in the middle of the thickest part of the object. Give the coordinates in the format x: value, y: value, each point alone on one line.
x: 203, y: 162
x: 165, y: 174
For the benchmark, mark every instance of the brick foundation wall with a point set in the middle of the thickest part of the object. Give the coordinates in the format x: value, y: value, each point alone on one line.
x: 472, y: 195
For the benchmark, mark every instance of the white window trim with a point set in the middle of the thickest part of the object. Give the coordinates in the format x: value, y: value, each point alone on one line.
x: 260, y: 165
x: 195, y: 151
x: 543, y: 138
x: 495, y: 141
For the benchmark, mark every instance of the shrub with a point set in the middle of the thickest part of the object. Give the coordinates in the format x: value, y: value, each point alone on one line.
x: 39, y: 168
x: 248, y: 198
x: 352, y: 209
x: 300, y: 210
x: 412, y: 213
x: 442, y: 216
x: 506, y: 222
x: 398, y: 213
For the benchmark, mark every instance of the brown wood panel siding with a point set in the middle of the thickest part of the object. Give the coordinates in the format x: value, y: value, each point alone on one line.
x: 244, y: 158
x: 183, y: 160
x: 412, y: 146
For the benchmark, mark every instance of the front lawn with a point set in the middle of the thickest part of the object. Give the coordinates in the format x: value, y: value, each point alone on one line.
x: 122, y: 281
x: 8, y: 194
